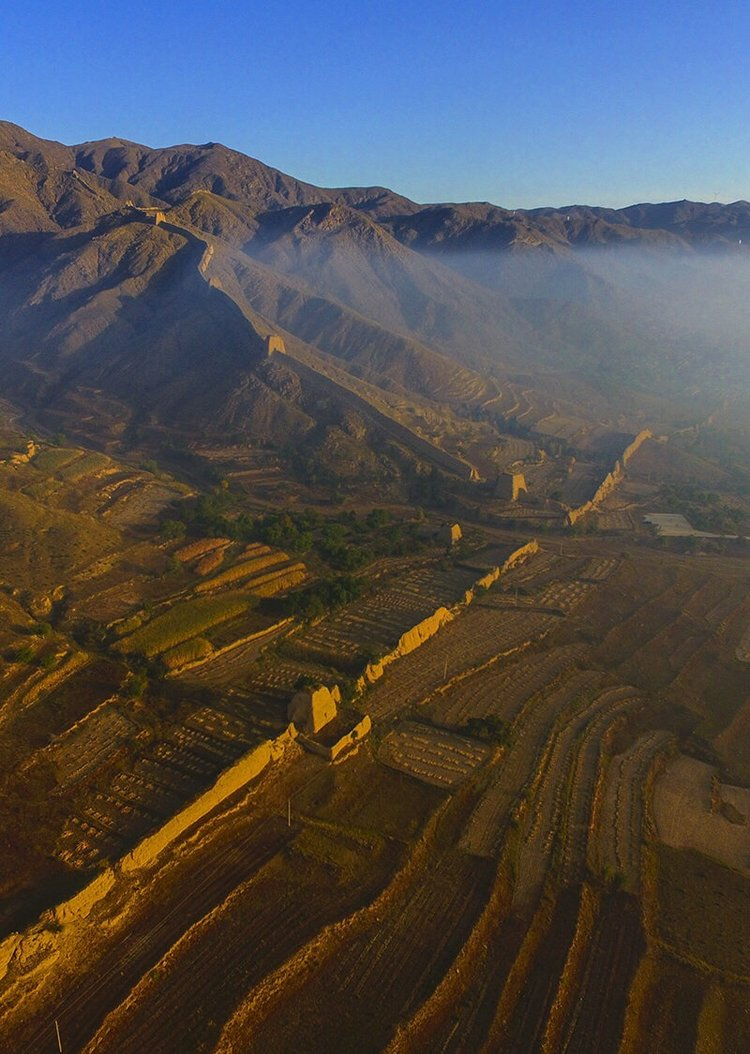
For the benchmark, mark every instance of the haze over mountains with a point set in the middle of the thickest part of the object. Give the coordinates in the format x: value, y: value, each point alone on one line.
x: 166, y: 322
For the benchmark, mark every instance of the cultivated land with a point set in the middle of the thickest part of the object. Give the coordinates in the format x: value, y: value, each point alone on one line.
x: 515, y: 860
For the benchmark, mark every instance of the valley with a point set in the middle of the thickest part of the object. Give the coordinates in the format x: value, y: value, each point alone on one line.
x: 374, y: 617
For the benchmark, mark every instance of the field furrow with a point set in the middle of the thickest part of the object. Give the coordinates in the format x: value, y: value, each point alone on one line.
x: 613, y: 954
x: 529, y: 734
x: 620, y: 823
x: 471, y: 640
x: 82, y: 1003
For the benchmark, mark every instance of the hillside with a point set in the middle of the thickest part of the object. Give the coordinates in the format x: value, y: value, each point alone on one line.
x: 429, y: 299
x: 374, y: 615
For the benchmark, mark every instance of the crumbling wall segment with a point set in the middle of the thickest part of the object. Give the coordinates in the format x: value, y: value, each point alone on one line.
x: 42, y: 939
x: 400, y: 432
x: 417, y: 635
x: 611, y: 481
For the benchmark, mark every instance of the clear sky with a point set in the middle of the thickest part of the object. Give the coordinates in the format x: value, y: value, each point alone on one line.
x: 523, y: 103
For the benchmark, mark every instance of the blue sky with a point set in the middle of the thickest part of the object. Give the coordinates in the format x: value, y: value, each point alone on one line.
x: 522, y: 104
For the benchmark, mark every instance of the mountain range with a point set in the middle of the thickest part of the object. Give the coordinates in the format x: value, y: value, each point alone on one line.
x: 138, y: 286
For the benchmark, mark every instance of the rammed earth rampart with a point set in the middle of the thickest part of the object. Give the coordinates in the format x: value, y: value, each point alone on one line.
x: 612, y: 480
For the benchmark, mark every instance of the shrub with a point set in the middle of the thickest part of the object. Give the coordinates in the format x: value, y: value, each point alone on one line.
x: 190, y: 651
x: 246, y: 569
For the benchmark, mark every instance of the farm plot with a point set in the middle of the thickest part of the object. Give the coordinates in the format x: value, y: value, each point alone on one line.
x: 702, y: 911
x: 711, y: 596
x: 431, y: 754
x: 534, y: 570
x: 599, y: 568
x: 582, y: 483
x: 549, y: 791
x: 52, y: 459
x: 280, y: 676
x: 381, y: 972
x: 461, y: 1026
x: 180, y: 766
x: 670, y: 652
x: 743, y: 648
x: 86, y: 746
x: 347, y: 639
x: 141, y: 504
x: 81, y: 999
x: 233, y: 665
x: 693, y: 810
x: 183, y: 621
x: 731, y: 606
x: 576, y: 830
x: 530, y: 731
x: 522, y: 1031
x: 619, y: 519
x: 89, y: 464
x: 256, y: 929
x: 564, y: 596
x: 645, y: 618
x: 431, y: 587
x: 500, y: 689
x: 514, y: 449
x: 110, y: 604
x: 479, y: 634
x: 28, y: 688
x: 616, y: 947
x: 619, y: 826
x: 263, y: 714
x: 68, y: 701
x: 257, y: 569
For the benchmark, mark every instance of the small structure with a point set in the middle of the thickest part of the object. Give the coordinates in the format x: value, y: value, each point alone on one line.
x: 510, y: 485
x: 275, y: 343
x: 17, y: 458
x: 313, y: 708
x: 148, y: 213
x: 335, y: 742
x: 450, y: 534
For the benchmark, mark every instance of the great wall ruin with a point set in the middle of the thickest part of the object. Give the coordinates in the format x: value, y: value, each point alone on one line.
x: 611, y: 481
x: 42, y: 939
x: 343, y: 391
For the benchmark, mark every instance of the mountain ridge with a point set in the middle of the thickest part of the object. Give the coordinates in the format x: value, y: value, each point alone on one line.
x: 442, y: 301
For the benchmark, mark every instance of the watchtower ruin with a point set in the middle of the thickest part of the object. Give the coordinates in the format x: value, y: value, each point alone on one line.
x: 274, y: 343
x: 510, y: 486
x: 313, y: 708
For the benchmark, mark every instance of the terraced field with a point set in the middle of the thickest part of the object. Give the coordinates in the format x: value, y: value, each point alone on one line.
x: 529, y: 735
x: 620, y: 822
x: 483, y: 633
x: 500, y: 688
x: 375, y: 624
x: 491, y: 870
x: 431, y: 754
